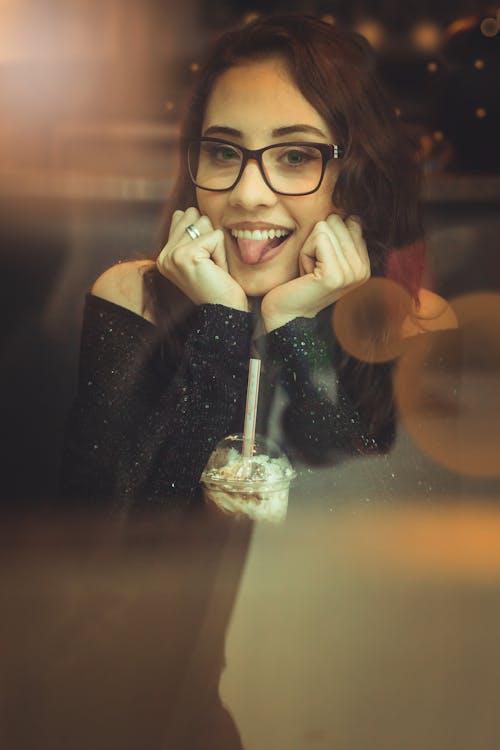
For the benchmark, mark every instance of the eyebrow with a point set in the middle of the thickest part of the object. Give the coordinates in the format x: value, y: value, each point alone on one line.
x: 276, y: 133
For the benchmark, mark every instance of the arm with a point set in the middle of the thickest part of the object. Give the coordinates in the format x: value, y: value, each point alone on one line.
x: 153, y: 426
x: 321, y: 421
x: 142, y: 426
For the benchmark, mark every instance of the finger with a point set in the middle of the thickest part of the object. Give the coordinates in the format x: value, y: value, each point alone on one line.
x: 328, y: 241
x: 331, y: 267
x: 210, y: 247
x: 219, y: 249
x: 176, y: 217
x: 203, y: 225
x: 307, y: 257
x: 350, y: 234
x: 350, y: 240
x: 189, y: 216
x: 356, y: 231
x: 344, y: 239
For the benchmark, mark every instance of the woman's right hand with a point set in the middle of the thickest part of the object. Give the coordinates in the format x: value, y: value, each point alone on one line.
x: 199, y: 267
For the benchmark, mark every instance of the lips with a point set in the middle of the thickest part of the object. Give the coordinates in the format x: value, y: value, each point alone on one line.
x: 259, y: 245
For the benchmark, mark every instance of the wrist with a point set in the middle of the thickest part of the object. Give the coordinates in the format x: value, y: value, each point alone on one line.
x: 272, y: 323
x: 240, y: 304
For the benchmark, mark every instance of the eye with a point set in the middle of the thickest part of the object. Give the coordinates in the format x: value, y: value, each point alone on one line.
x: 221, y: 152
x: 298, y: 156
x: 295, y: 157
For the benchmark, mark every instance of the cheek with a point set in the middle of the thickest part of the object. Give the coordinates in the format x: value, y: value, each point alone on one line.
x: 211, y: 205
x: 317, y: 209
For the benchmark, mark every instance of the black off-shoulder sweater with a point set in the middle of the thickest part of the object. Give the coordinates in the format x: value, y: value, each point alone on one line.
x: 143, y: 425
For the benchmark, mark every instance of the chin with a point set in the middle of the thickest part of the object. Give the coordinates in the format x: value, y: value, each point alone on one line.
x: 260, y: 287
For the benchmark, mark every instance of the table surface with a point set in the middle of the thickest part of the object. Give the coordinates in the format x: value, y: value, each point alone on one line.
x: 352, y: 628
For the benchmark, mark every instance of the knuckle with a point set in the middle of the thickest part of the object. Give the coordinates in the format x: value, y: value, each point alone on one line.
x: 366, y: 272
x: 334, y: 281
x: 333, y: 219
x: 177, y: 257
x: 323, y: 225
x: 320, y: 227
x: 204, y: 223
x: 162, y: 264
x: 162, y: 256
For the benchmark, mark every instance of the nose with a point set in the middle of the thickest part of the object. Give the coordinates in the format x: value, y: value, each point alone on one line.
x: 251, y: 190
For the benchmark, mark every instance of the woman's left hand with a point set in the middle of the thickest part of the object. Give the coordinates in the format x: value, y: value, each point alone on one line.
x: 333, y: 260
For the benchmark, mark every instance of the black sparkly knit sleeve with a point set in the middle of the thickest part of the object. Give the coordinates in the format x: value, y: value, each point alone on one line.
x: 142, y: 426
x: 320, y: 420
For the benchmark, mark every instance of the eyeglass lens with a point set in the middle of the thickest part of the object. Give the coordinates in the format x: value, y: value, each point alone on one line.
x: 289, y: 168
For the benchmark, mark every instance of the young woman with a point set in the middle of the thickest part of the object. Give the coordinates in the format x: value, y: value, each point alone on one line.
x: 295, y: 185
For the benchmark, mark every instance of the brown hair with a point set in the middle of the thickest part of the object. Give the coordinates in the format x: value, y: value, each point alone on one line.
x: 335, y: 70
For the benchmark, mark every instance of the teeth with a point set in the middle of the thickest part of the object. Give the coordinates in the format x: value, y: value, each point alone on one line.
x: 259, y: 234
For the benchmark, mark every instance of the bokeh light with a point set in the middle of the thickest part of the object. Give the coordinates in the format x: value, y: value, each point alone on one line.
x: 367, y: 321
x: 250, y: 17
x: 489, y: 27
x: 372, y: 30
x: 427, y: 36
x: 446, y: 387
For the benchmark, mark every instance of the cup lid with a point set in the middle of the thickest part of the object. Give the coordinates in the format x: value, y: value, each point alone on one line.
x: 267, y: 465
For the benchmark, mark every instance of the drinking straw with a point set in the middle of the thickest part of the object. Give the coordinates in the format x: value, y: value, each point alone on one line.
x: 251, y: 408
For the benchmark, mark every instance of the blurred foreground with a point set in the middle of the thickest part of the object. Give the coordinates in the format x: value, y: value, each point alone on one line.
x: 360, y: 627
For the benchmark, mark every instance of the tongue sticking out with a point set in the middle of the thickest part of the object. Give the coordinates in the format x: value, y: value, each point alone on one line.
x: 252, y: 251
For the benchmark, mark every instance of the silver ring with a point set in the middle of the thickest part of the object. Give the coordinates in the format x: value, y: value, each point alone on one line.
x: 193, y: 232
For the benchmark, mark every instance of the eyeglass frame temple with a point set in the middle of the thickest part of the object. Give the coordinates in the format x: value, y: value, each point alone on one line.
x: 334, y: 152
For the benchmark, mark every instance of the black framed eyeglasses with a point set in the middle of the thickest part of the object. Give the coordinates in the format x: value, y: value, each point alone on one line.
x: 293, y: 168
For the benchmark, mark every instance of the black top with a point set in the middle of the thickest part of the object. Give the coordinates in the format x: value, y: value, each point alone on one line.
x: 142, y: 426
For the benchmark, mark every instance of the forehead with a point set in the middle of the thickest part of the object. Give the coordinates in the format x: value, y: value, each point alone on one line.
x: 257, y: 98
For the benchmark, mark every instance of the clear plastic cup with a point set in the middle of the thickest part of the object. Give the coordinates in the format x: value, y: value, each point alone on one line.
x: 256, y: 486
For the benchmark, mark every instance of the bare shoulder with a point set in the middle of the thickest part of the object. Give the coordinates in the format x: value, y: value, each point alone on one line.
x: 123, y: 284
x: 434, y: 313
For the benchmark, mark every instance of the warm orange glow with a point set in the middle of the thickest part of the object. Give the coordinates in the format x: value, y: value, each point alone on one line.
x: 250, y: 17
x: 489, y: 27
x: 460, y: 541
x: 372, y: 30
x: 446, y: 389
x: 427, y: 36
x: 461, y: 24
x: 367, y: 320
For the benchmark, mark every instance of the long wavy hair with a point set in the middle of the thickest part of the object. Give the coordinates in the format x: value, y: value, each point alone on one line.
x: 378, y: 178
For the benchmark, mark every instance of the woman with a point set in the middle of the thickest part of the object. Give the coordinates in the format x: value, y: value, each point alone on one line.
x: 295, y: 184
